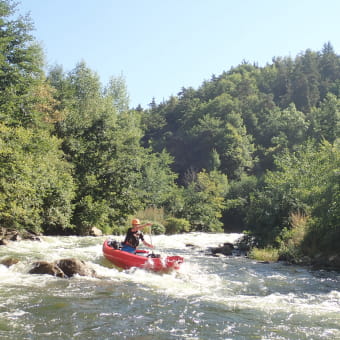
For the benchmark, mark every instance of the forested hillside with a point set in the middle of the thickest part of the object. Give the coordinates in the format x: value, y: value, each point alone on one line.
x: 255, y: 148
x: 274, y: 132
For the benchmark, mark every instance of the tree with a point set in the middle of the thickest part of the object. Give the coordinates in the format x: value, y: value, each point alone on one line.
x: 36, y: 186
x: 329, y: 65
x: 204, y: 201
x: 237, y: 152
x: 64, y: 93
x: 117, y: 93
x: 280, y: 130
x: 21, y: 64
x: 214, y: 161
x: 158, y: 181
x: 204, y: 138
x: 299, y: 184
x: 324, y: 231
x: 237, y: 202
x: 115, y: 175
x: 325, y: 119
x: 305, y: 81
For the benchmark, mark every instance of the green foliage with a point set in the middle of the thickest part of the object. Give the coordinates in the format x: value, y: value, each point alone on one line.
x: 157, y: 228
x: 237, y: 202
x: 325, y: 226
x: 304, y: 182
x: 94, y: 138
x: 257, y: 126
x: 151, y: 213
x: 20, y: 68
x: 117, y: 94
x: 174, y: 205
x: 116, y: 176
x: 291, y: 239
x: 238, y: 151
x: 36, y: 186
x: 325, y: 119
x: 158, y: 180
x: 247, y: 112
x: 177, y: 225
x: 204, y: 201
x: 269, y: 254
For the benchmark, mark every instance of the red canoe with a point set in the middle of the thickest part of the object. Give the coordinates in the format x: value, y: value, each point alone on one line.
x: 127, y: 260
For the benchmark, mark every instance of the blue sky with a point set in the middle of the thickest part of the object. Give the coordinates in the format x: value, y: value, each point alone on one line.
x: 160, y: 46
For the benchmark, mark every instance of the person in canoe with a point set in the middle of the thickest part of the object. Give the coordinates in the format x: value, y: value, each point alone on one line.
x: 133, y: 236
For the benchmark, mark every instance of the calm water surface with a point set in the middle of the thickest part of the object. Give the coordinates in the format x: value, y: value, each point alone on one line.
x: 208, y: 298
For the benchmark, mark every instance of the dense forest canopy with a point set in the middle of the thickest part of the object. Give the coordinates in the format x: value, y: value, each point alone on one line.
x: 255, y: 148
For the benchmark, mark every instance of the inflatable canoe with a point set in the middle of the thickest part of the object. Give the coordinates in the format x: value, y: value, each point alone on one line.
x: 142, y: 259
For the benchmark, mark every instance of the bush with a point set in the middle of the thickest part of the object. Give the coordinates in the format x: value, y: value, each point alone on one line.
x: 36, y: 187
x: 177, y: 225
x: 264, y: 254
x: 291, y: 239
x: 157, y: 229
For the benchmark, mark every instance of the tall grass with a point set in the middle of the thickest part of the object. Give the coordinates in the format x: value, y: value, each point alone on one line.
x: 151, y: 214
x: 289, y: 242
x: 264, y: 254
x: 291, y: 239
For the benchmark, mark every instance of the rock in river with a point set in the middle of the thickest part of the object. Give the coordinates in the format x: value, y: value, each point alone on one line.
x: 44, y: 267
x: 63, y: 268
x: 74, y: 266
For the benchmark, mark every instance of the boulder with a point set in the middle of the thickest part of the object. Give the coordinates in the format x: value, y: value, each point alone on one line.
x: 10, y: 261
x: 245, y: 243
x: 29, y: 235
x: 72, y: 267
x: 225, y: 249
x: 13, y: 235
x: 63, y: 268
x: 4, y: 242
x: 95, y: 232
x: 334, y: 261
x: 43, y: 267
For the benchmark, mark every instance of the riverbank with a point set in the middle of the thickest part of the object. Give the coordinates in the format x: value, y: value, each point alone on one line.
x: 9, y: 235
x: 317, y: 262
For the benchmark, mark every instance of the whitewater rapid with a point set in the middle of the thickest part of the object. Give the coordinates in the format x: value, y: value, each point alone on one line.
x: 208, y: 298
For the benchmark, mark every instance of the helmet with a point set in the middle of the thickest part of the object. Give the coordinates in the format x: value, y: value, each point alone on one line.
x: 135, y: 221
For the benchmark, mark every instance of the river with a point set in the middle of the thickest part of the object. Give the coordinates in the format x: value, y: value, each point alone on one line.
x: 209, y: 298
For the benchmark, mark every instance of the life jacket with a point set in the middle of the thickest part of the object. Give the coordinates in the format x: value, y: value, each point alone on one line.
x: 132, y: 238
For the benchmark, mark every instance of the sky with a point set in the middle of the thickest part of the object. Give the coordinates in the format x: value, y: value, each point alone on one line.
x: 161, y: 46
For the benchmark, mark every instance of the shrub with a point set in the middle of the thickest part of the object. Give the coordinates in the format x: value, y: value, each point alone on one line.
x: 264, y: 254
x: 291, y: 239
x: 157, y: 228
x: 150, y: 214
x: 117, y: 230
x: 177, y: 225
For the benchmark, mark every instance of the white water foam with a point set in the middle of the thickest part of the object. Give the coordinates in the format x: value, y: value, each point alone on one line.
x: 192, y: 280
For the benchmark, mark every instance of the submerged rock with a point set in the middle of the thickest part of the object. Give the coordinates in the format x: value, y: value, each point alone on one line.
x: 4, y: 242
x: 63, y: 268
x: 44, y: 267
x: 225, y: 249
x: 7, y: 235
x: 29, y: 235
x: 73, y: 267
x: 10, y: 261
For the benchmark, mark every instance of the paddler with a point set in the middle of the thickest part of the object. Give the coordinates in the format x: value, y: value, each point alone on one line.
x: 133, y: 236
